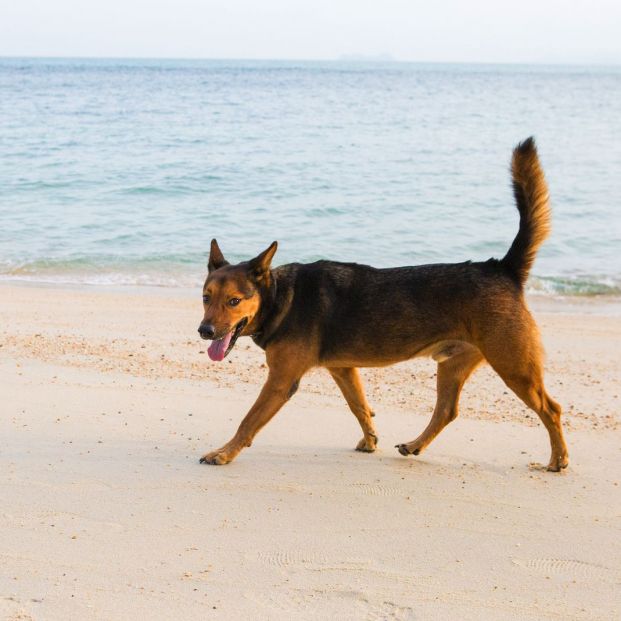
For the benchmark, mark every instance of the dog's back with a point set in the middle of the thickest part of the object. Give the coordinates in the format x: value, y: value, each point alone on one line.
x: 385, y: 315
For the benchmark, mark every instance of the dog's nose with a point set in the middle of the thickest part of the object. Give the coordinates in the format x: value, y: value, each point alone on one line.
x: 206, y: 330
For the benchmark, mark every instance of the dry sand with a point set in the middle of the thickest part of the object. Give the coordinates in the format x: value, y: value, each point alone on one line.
x: 108, y: 399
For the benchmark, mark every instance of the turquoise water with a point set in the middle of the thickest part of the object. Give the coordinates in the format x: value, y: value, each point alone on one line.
x: 121, y: 171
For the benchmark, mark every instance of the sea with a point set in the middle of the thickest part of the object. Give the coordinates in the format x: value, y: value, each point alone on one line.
x: 120, y: 172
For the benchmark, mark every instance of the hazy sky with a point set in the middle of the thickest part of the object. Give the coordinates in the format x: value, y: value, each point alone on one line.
x: 555, y: 31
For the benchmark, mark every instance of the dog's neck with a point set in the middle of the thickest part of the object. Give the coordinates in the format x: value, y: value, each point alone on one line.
x: 275, y: 300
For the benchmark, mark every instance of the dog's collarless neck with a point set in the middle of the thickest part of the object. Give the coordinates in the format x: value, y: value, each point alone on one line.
x: 265, y: 331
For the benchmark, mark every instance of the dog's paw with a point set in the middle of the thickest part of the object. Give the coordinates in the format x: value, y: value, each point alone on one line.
x: 215, y: 458
x: 558, y: 463
x: 367, y: 445
x: 408, y: 449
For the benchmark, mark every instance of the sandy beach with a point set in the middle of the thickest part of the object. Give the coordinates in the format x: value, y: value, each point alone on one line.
x: 108, y: 400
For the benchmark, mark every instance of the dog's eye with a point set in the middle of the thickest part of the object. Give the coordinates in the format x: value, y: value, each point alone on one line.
x: 234, y: 301
x: 206, y: 299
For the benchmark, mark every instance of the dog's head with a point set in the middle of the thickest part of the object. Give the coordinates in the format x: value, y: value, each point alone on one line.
x: 232, y: 298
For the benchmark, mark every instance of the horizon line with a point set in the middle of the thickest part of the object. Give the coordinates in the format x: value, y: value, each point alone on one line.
x: 345, y: 58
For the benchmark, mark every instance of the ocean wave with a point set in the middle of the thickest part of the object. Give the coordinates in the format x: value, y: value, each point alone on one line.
x: 153, y: 272
x: 105, y: 279
x: 582, y: 286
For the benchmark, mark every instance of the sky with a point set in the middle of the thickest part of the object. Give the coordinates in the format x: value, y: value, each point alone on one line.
x: 526, y: 31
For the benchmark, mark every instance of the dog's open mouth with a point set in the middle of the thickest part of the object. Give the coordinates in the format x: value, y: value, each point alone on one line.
x: 219, y: 348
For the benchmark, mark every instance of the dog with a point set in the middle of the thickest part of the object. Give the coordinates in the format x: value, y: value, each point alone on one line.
x: 343, y: 316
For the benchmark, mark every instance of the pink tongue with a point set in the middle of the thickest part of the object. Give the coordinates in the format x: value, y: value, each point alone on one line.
x: 218, y: 348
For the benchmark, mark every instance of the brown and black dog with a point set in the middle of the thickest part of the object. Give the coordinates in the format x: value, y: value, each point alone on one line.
x: 343, y: 316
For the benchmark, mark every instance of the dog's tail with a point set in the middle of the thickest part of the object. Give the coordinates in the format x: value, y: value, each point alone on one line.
x: 531, y: 196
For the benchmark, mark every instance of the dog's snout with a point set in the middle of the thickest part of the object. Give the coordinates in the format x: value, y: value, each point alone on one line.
x: 206, y: 330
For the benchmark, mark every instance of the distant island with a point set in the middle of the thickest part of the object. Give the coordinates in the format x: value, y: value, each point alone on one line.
x: 367, y: 58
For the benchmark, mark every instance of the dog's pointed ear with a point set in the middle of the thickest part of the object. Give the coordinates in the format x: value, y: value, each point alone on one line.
x: 260, y: 265
x: 216, y: 258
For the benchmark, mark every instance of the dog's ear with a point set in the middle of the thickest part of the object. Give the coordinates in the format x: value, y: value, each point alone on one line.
x: 260, y: 265
x: 216, y: 258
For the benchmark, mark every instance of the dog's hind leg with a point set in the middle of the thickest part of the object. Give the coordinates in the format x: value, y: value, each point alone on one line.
x: 348, y: 380
x: 452, y: 374
x: 518, y: 362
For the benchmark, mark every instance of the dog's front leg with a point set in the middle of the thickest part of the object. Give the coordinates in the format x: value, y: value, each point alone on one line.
x: 281, y: 384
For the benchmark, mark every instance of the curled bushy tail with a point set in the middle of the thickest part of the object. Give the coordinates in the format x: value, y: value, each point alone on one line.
x: 531, y: 196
